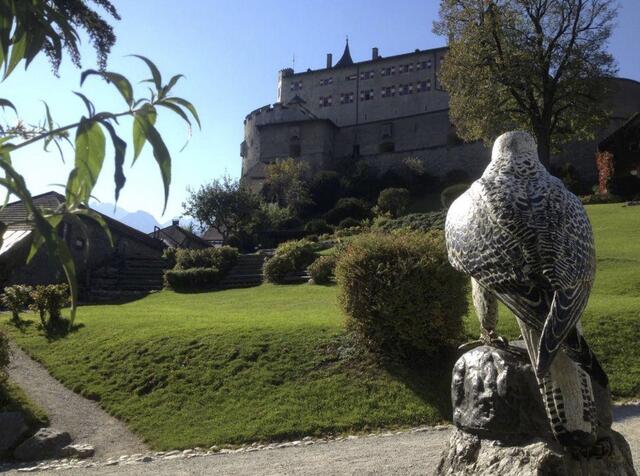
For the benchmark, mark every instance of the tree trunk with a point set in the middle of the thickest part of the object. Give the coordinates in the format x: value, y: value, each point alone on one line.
x: 544, y: 148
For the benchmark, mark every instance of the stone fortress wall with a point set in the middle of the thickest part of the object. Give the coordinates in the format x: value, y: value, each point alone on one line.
x: 383, y: 110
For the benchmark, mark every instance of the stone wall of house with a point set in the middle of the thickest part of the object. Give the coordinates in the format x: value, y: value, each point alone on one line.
x: 87, y: 255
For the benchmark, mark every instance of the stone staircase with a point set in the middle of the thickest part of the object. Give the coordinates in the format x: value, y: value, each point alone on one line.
x: 246, y: 273
x: 131, y: 277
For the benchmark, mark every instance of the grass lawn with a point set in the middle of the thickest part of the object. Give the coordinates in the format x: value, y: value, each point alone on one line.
x: 12, y: 398
x: 272, y: 362
x: 242, y: 365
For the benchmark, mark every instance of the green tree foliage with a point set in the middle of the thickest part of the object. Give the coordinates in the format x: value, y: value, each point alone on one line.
x: 271, y: 216
x: 286, y: 185
x: 538, y: 65
x: 349, y: 207
x: 224, y: 205
x: 393, y: 202
x: 28, y: 28
x: 325, y: 188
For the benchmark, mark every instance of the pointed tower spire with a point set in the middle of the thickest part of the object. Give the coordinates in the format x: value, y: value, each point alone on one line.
x: 346, y: 57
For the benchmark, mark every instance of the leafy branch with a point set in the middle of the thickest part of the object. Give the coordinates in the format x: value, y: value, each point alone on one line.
x: 91, y: 133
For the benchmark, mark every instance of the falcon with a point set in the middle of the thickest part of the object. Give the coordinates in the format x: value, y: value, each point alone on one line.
x: 525, y: 240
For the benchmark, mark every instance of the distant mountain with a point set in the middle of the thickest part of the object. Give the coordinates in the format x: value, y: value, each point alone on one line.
x: 140, y: 220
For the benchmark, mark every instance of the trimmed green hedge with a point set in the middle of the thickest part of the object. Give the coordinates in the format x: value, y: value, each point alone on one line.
x: 223, y: 258
x: 192, y: 278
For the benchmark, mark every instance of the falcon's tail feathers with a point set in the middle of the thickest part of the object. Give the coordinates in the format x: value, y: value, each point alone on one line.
x: 565, y: 310
x: 579, y: 351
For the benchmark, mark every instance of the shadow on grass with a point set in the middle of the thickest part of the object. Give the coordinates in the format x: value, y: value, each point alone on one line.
x: 22, y: 325
x: 58, y: 329
x: 429, y: 378
x: 117, y: 300
x: 13, y: 399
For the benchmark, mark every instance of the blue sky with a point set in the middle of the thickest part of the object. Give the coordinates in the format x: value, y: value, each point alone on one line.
x: 230, y: 52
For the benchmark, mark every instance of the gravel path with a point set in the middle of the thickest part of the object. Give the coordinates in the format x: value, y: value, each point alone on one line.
x: 412, y: 452
x: 85, y: 421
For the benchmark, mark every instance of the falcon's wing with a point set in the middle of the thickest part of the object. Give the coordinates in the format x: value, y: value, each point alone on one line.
x: 530, y: 242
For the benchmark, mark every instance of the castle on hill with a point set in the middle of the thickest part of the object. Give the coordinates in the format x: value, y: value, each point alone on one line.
x: 384, y: 110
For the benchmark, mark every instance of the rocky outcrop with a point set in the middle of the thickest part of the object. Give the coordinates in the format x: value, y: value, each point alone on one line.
x: 469, y: 454
x: 46, y: 443
x: 502, y: 427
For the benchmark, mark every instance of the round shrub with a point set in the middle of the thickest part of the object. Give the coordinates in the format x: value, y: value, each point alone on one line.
x: 400, y: 295
x: 290, y: 256
x: 348, y: 223
x: 16, y: 298
x: 452, y: 192
x: 348, y: 208
x: 49, y: 299
x: 318, y: 226
x: 301, y: 253
x: 393, y: 201
x: 322, y: 269
x: 276, y: 268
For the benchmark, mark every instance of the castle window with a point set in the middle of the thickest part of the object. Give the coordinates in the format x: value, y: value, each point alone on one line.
x: 351, y: 77
x: 294, y: 146
x: 423, y: 65
x: 386, y: 131
x: 296, y: 85
x: 325, y: 101
x: 366, y: 95
x: 388, y: 91
x: 391, y: 70
x: 326, y: 81
x: 346, y: 98
x: 367, y: 75
x: 405, y: 89
x: 405, y: 68
x: 422, y: 86
x: 356, y: 150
